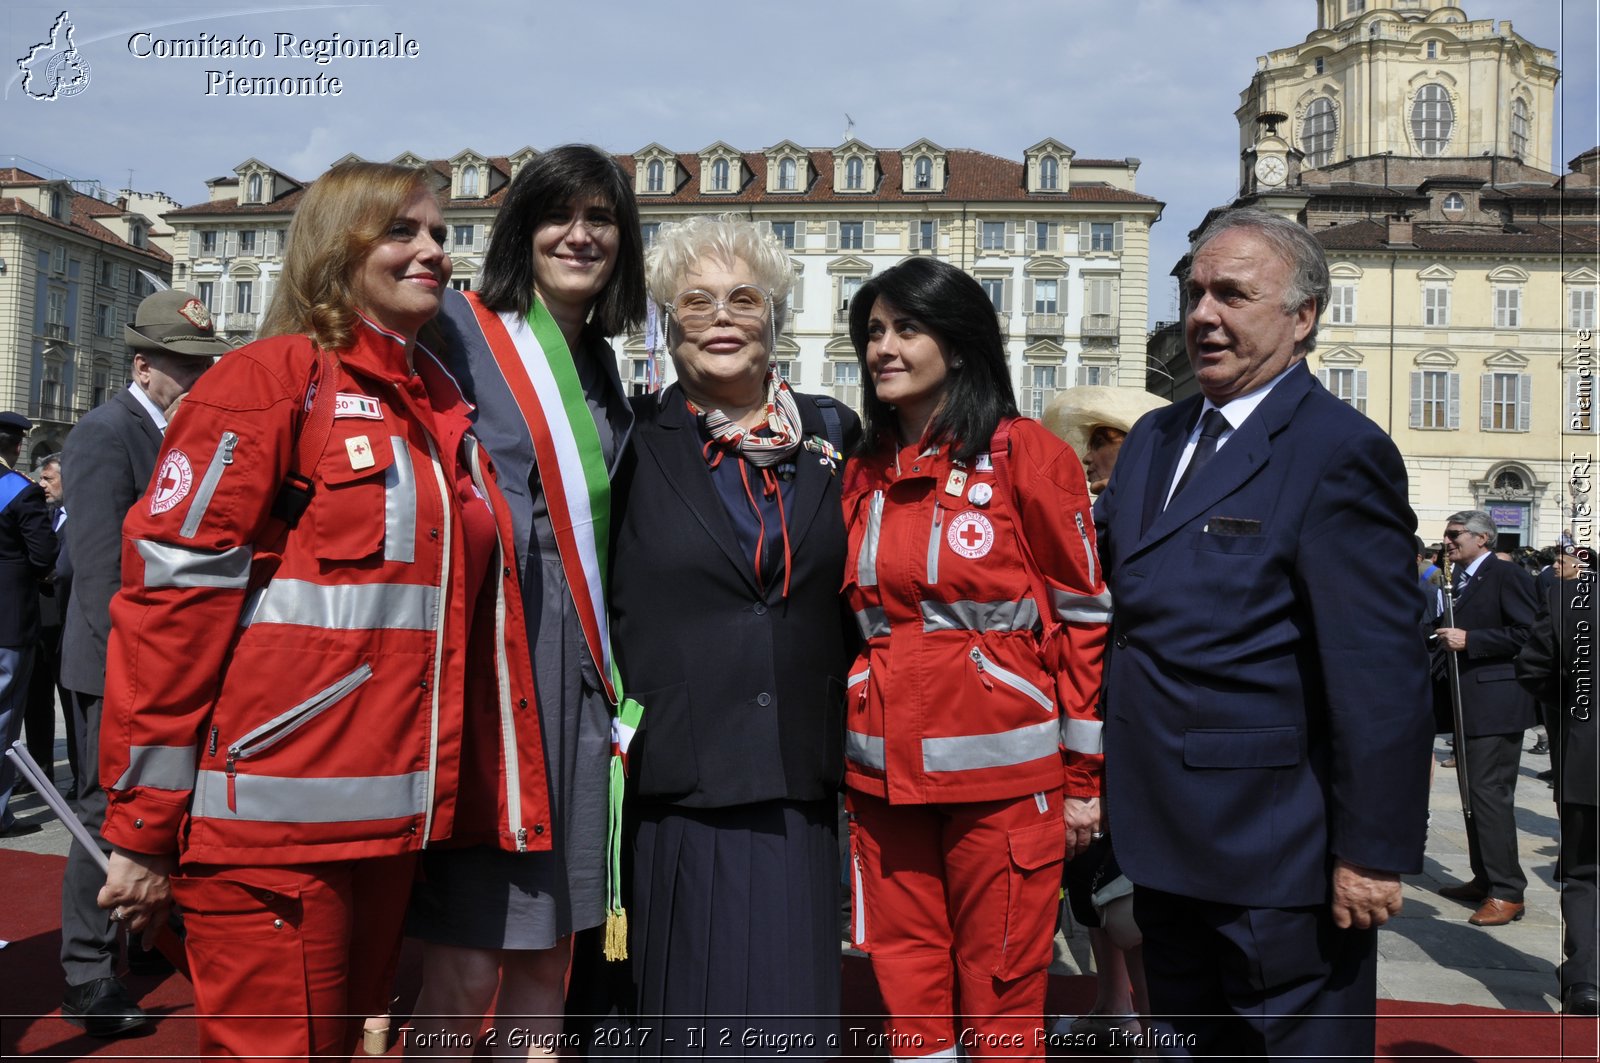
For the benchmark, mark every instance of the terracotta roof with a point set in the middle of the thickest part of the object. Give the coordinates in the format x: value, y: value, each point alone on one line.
x: 13, y: 175
x: 84, y: 211
x: 1530, y: 239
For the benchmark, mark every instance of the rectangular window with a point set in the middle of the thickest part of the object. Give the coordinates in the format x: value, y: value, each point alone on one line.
x: 1101, y: 310
x: 1044, y: 296
x: 787, y: 369
x: 1094, y: 376
x: 204, y: 292
x: 848, y: 286
x: 994, y: 236
x: 243, y: 296
x: 927, y: 234
x: 1505, y: 402
x: 247, y: 241
x: 461, y: 235
x: 1580, y: 308
x: 102, y: 387
x: 851, y: 235
x: 1102, y: 236
x: 105, y: 318
x: 1436, y: 305
x: 639, y: 376
x: 784, y: 231
x: 1507, y: 307
x: 1348, y: 385
x: 1342, y: 305
x: 1044, y: 236
x: 461, y: 284
x: 648, y: 231
x: 1040, y: 390
x: 1435, y: 399
x: 843, y: 379
x: 995, y: 289
x: 55, y: 310
x: 108, y: 274
x: 208, y: 242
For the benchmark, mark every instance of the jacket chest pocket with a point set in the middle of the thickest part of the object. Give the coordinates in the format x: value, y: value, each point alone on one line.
x: 361, y: 491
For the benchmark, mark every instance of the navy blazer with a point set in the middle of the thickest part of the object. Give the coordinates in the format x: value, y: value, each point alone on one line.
x: 1266, y: 689
x: 105, y: 467
x: 1497, y: 609
x: 27, y: 555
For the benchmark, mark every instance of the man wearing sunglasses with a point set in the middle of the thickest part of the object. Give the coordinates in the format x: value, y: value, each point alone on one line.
x: 1494, y: 611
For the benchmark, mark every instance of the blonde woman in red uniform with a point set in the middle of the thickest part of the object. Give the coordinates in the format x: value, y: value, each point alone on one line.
x: 972, y: 739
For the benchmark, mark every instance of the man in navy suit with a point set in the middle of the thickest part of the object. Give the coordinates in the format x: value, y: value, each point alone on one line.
x: 1267, y: 715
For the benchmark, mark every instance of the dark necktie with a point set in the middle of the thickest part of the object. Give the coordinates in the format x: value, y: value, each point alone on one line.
x: 1212, y: 425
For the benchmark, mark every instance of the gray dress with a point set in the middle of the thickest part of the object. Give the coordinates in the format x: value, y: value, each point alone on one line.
x: 486, y: 898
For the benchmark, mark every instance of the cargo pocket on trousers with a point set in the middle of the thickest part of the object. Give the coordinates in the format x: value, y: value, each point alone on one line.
x: 1033, y: 888
x: 246, y: 939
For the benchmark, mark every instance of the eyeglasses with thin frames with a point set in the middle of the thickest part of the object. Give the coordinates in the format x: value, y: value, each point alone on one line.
x: 697, y: 308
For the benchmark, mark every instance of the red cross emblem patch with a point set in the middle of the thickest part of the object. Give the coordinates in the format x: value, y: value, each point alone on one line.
x: 970, y: 534
x: 173, y: 481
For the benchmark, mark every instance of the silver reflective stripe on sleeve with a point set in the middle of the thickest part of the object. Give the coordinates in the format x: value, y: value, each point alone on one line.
x: 872, y: 621
x: 208, y: 484
x: 980, y: 616
x: 866, y: 750
x: 166, y: 565
x: 970, y: 752
x: 298, y: 799
x: 1081, y: 608
x: 933, y: 544
x: 350, y: 607
x: 867, y: 563
x: 400, y: 505
x: 1082, y: 736
x: 159, y: 767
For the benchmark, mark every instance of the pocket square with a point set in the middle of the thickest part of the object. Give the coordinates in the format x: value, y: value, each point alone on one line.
x: 1232, y: 526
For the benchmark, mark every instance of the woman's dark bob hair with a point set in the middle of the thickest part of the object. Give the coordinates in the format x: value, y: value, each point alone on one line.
x: 954, y: 309
x: 550, y: 181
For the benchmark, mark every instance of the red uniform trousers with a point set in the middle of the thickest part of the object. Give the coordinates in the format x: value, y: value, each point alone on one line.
x: 956, y: 905
x: 294, y: 957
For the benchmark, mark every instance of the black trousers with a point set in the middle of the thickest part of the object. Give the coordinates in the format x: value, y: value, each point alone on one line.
x: 88, y: 936
x: 1230, y: 982
x: 1576, y: 869
x: 1492, y: 832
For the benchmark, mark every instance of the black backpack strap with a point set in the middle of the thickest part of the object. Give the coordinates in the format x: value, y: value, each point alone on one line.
x: 830, y: 420
x: 294, y: 495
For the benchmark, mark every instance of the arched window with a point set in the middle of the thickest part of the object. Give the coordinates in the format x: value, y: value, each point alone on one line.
x: 1433, y: 119
x: 255, y: 188
x: 854, y: 172
x: 1519, y: 128
x: 1454, y: 202
x: 786, y: 175
x: 1509, y: 481
x: 719, y: 175
x: 469, y: 181
x: 924, y: 172
x: 1049, y: 173
x: 1317, y: 132
x: 655, y: 176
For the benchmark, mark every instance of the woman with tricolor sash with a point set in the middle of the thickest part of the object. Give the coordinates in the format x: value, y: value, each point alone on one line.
x: 563, y: 271
x: 732, y: 636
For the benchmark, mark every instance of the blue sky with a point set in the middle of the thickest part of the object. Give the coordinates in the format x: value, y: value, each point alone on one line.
x: 1155, y: 79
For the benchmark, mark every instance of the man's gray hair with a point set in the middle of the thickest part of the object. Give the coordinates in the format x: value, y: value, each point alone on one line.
x: 1478, y: 522
x: 48, y: 459
x: 1308, y: 278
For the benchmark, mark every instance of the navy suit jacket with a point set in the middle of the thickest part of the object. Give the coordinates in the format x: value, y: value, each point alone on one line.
x: 1266, y: 691
x: 1497, y: 609
x: 106, y: 465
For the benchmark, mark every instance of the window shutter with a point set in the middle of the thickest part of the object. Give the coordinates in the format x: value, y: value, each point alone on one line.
x: 1083, y: 238
x: 1011, y: 236
x: 1453, y: 414
x: 867, y: 230
x: 269, y: 242
x: 827, y: 373
x: 1026, y: 405
x: 797, y: 299
x: 1028, y: 300
x: 1053, y: 237
x: 764, y: 228
x: 194, y: 243
x: 1416, y: 400
x: 833, y: 236
x: 1361, y: 390
x: 233, y: 297
x: 1322, y: 378
x: 266, y: 295
x: 1005, y: 295
x: 795, y: 367
x: 1116, y: 244
x: 230, y: 243
x: 1030, y: 238
x: 1524, y: 400
x: 1486, y: 401
x: 934, y: 245
x: 477, y: 238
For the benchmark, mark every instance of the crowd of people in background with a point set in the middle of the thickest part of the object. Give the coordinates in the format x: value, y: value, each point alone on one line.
x: 405, y: 619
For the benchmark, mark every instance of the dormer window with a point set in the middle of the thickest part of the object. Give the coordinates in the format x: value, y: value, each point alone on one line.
x: 1433, y: 49
x: 787, y: 179
x: 719, y: 175
x: 854, y: 169
x: 469, y: 182
x: 55, y: 204
x: 1454, y: 203
x: 924, y: 173
x: 253, y: 189
x: 1049, y: 174
x: 136, y: 234
x: 655, y: 176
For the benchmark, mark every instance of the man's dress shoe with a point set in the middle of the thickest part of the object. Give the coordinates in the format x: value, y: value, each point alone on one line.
x: 1496, y: 912
x: 103, y: 1008
x: 1470, y: 892
x: 1581, y: 998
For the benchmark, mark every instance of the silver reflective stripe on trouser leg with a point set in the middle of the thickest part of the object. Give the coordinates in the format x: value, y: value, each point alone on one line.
x: 400, y: 505
x: 980, y: 616
x: 166, y: 565
x: 858, y: 906
x: 867, y: 563
x: 1082, y: 736
x: 1081, y: 608
x: 298, y: 799
x: 158, y: 767
x: 866, y: 750
x: 349, y: 607
x: 970, y: 752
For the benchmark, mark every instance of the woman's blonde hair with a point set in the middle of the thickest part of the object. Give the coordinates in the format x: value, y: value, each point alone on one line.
x: 345, y: 213
x: 679, y: 246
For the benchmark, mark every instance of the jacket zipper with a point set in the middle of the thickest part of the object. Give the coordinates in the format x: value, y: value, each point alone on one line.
x: 508, y: 730
x: 443, y: 609
x: 277, y: 729
x: 208, y: 484
x: 1088, y: 547
x: 933, y: 544
x: 859, y: 680
x: 987, y: 668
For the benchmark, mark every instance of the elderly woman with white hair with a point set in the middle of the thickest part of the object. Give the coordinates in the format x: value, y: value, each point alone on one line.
x: 730, y: 633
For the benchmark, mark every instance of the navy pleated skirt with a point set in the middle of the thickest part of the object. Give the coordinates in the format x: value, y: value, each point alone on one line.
x: 734, y: 928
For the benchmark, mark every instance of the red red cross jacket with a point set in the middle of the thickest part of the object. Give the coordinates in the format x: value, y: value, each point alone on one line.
x: 956, y: 696
x: 278, y: 696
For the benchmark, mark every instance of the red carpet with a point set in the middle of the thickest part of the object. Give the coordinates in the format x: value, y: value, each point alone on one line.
x: 31, y: 987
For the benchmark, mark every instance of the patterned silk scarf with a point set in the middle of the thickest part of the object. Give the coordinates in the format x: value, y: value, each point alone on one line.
x: 782, y: 420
